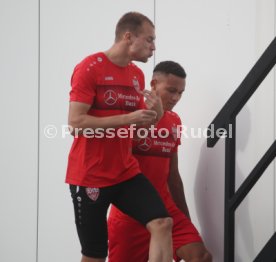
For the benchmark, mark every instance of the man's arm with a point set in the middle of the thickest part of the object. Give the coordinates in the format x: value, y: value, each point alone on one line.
x: 78, y: 118
x: 176, y: 186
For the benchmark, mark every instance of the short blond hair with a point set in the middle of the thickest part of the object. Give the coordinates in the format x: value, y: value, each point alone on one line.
x: 132, y: 22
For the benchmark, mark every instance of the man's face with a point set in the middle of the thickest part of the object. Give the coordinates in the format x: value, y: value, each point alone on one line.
x: 142, y: 44
x: 170, y: 89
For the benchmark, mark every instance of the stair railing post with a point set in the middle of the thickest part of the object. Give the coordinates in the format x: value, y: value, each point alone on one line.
x: 229, y: 212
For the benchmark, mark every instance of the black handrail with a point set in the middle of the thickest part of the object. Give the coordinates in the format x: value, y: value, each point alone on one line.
x: 268, y: 252
x: 254, y: 176
x: 246, y: 89
x: 226, y: 119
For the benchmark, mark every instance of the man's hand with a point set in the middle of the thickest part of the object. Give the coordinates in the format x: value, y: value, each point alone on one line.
x: 142, y: 117
x: 79, y: 118
x: 153, y: 102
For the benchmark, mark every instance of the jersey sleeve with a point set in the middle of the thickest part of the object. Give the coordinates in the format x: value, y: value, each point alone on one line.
x: 177, y: 131
x: 83, y: 83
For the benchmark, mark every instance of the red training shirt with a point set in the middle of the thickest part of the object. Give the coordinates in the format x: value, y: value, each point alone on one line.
x: 99, y: 161
x: 153, y: 155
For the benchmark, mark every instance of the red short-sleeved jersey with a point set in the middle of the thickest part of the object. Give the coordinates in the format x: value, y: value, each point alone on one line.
x: 153, y: 154
x: 100, y: 160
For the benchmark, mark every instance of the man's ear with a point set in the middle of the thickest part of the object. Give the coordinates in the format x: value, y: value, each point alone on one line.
x: 128, y: 36
x: 153, y: 84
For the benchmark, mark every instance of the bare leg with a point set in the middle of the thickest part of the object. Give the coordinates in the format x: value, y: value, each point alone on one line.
x: 194, y: 252
x: 160, y: 249
x: 90, y: 259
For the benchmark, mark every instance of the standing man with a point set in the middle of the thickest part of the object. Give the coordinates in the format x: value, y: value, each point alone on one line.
x: 106, y: 96
x: 158, y: 159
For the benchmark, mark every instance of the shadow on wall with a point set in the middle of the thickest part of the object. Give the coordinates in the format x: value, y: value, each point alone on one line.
x: 244, y: 235
x: 209, y: 196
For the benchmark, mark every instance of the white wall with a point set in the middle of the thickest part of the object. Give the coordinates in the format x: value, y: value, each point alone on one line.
x: 19, y: 129
x: 217, y: 42
x: 70, y: 30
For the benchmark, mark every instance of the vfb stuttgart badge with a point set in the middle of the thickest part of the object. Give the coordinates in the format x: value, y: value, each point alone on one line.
x: 175, y: 133
x: 136, y: 86
x: 92, y: 193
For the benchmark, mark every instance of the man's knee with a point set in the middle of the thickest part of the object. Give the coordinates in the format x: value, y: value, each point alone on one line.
x: 90, y: 259
x: 160, y: 225
x: 195, y: 252
x: 207, y: 257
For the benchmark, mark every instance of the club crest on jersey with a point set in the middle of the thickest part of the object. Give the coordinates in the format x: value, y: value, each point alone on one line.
x: 93, y: 193
x: 136, y: 85
x: 174, y: 133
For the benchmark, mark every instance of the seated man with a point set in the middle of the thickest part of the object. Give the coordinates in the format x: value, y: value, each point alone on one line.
x: 158, y: 159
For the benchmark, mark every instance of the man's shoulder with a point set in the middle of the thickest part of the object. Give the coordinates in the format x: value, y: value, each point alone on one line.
x: 93, y: 59
x: 173, y: 115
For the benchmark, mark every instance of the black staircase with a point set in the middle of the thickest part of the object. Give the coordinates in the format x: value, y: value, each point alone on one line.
x: 226, y: 118
x: 268, y: 252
